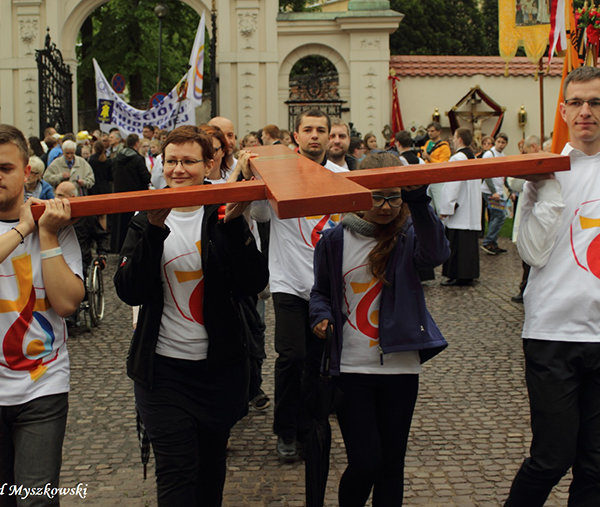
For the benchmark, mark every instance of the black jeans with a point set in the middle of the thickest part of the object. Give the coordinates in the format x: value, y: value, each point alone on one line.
x: 297, y: 364
x: 188, y: 414
x: 31, y: 439
x: 563, y: 381
x: 375, y: 416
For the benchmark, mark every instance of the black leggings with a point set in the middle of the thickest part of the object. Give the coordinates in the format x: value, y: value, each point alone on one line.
x: 375, y: 416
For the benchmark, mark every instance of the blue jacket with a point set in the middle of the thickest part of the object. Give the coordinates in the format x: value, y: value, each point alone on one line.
x: 404, y: 322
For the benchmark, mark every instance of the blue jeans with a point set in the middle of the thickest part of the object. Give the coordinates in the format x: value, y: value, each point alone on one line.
x: 31, y: 438
x: 495, y: 222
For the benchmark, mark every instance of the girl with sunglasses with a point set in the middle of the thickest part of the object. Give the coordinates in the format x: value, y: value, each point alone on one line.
x: 367, y: 292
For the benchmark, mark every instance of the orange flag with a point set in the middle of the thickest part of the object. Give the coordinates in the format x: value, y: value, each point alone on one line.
x: 560, y: 134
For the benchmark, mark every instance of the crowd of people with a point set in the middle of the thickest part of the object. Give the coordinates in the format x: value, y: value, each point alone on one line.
x: 347, y: 288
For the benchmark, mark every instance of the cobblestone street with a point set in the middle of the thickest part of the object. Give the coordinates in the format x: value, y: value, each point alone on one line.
x: 469, y: 434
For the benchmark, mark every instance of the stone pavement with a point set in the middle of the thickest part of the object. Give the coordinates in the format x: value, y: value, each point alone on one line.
x: 469, y: 434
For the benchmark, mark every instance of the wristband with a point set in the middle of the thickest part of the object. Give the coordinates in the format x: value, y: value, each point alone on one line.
x: 52, y: 252
x: 19, y: 233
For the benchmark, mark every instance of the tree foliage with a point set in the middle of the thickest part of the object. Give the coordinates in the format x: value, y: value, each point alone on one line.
x: 489, y: 11
x: 439, y: 27
x: 123, y: 36
x: 292, y: 5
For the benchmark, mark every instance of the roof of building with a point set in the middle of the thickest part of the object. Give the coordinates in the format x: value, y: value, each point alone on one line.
x: 445, y: 65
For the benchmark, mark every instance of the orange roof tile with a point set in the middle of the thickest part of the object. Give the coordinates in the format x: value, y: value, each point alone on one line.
x: 445, y: 65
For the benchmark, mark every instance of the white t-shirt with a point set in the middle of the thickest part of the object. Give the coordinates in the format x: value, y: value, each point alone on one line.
x: 182, y: 334
x: 34, y: 361
x: 362, y: 297
x: 461, y: 201
x: 291, y: 246
x: 562, y: 298
x: 498, y: 182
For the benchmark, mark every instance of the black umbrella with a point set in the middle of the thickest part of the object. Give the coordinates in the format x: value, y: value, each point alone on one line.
x: 318, y: 438
x: 143, y: 440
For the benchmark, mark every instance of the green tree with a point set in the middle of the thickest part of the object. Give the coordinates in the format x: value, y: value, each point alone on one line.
x: 489, y: 12
x: 122, y: 35
x: 438, y: 27
x: 291, y: 5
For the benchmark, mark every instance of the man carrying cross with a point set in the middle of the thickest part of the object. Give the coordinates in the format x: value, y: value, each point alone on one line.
x: 291, y: 249
x: 558, y: 238
x: 40, y: 283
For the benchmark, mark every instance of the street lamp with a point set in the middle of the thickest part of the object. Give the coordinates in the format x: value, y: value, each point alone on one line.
x: 213, y: 61
x: 161, y: 11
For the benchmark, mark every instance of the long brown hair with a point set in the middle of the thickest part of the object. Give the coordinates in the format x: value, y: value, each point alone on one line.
x: 386, y: 235
x: 100, y: 151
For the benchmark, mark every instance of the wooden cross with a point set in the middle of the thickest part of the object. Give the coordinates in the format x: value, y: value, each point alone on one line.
x: 296, y: 186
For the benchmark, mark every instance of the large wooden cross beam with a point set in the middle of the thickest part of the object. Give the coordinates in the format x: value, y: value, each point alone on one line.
x: 296, y: 186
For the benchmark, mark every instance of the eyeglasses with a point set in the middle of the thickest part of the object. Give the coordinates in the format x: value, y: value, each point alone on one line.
x: 578, y: 103
x: 395, y: 201
x: 186, y: 163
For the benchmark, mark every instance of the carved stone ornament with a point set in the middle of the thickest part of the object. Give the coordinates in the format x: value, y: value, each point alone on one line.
x: 28, y: 29
x: 247, y: 23
x: 370, y: 44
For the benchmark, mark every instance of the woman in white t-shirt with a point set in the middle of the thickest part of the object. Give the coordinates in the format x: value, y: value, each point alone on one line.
x: 189, y: 268
x: 367, y: 290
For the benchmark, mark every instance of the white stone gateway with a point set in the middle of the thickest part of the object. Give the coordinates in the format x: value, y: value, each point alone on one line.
x: 257, y: 48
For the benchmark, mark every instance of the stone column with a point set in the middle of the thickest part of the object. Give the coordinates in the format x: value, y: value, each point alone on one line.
x: 20, y: 36
x: 247, y: 62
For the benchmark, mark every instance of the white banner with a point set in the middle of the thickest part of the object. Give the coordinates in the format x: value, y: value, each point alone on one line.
x: 196, y: 72
x: 174, y: 110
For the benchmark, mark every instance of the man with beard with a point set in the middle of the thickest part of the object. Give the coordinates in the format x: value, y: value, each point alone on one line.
x: 339, y: 144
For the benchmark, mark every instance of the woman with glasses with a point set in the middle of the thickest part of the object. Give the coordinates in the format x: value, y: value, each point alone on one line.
x: 220, y: 171
x: 189, y: 268
x: 367, y: 291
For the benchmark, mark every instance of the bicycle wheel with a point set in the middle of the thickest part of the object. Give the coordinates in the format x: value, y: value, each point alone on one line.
x: 96, y: 294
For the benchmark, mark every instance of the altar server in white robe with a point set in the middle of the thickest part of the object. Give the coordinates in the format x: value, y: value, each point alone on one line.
x: 460, y: 210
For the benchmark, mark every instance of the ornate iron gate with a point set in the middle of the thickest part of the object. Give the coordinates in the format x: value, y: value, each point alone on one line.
x: 317, y: 90
x: 55, y: 89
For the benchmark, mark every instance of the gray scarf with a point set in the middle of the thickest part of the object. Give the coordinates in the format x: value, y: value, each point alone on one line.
x: 354, y: 223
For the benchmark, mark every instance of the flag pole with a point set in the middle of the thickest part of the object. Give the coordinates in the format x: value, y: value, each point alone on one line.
x: 213, y: 61
x: 541, y: 76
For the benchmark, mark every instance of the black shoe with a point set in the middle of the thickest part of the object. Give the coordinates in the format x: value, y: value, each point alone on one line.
x: 261, y: 401
x: 287, y: 449
x: 489, y: 249
x: 499, y: 250
x: 517, y: 299
x: 449, y: 283
x: 460, y: 282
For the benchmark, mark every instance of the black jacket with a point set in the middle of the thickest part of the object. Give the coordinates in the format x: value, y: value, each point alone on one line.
x: 233, y: 269
x: 130, y: 171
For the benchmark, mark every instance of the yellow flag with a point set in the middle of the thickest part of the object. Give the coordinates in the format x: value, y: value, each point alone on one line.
x: 523, y: 23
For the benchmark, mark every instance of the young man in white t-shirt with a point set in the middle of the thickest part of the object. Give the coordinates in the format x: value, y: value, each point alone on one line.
x: 558, y: 238
x: 40, y: 283
x: 492, y: 190
x: 291, y: 250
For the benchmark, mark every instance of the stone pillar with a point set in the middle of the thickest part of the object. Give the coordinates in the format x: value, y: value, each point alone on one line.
x: 247, y: 62
x: 20, y: 35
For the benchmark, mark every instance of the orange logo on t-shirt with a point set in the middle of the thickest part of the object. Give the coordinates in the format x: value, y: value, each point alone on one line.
x: 367, y: 318
x: 324, y: 221
x: 32, y: 357
x: 585, y: 244
x: 195, y: 303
